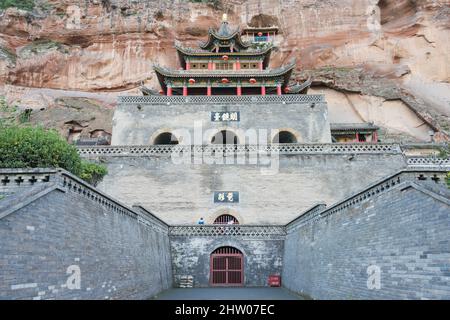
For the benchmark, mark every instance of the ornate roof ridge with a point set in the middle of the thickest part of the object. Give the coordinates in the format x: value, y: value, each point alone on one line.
x: 230, y: 73
x: 187, y: 50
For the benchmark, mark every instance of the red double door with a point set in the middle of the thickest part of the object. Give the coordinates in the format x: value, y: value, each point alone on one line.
x: 227, y: 267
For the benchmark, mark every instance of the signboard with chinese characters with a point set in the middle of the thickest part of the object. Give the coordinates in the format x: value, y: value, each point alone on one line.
x: 226, y: 197
x: 228, y: 116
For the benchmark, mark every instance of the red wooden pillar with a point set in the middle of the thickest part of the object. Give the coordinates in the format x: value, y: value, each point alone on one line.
x: 208, y: 90
x: 169, y: 91
x: 279, y: 89
x: 261, y: 65
x: 263, y: 90
x: 357, y: 137
x: 188, y: 65
x: 268, y: 36
x: 239, y: 90
x: 375, y: 136
x: 210, y: 65
x: 238, y: 65
x: 213, y: 65
x: 185, y: 91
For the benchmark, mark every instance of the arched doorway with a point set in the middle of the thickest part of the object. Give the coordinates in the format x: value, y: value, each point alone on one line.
x: 227, y: 267
x: 225, y: 137
x: 226, y: 219
x: 284, y: 137
x: 166, y: 138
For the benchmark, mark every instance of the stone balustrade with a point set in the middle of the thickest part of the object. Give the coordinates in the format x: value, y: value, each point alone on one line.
x: 168, y: 100
x: 433, y: 176
x: 132, y: 151
x: 11, y: 180
x: 244, y: 231
x: 428, y: 162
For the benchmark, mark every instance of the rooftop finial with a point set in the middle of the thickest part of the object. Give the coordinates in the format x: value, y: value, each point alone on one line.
x: 224, y: 17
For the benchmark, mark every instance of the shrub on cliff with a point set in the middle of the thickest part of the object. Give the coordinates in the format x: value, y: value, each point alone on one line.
x: 19, y: 4
x: 34, y: 147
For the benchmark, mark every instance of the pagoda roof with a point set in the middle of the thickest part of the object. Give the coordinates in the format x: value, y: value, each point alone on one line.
x: 352, y: 127
x: 224, y: 33
x: 200, y: 52
x: 262, y: 29
x: 190, y: 52
x: 228, y: 73
x: 300, y: 88
x: 284, y: 71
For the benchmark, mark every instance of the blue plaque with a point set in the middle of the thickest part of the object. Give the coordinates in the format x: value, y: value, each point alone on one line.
x: 227, y: 116
x: 226, y: 197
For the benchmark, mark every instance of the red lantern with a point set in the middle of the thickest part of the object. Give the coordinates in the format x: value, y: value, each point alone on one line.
x: 161, y: 91
x: 225, y: 57
x: 225, y: 80
x: 252, y: 81
x: 260, y: 34
x: 191, y: 81
x: 286, y: 90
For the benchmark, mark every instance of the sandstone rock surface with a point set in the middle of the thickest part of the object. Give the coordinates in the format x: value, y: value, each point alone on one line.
x: 386, y: 50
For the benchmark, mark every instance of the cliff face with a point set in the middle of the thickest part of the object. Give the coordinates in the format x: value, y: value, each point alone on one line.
x: 394, y: 50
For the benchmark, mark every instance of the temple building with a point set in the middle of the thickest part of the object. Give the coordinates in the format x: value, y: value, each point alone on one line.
x: 226, y: 65
x: 231, y: 175
x: 260, y: 34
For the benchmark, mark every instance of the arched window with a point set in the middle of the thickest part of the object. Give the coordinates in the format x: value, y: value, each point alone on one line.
x: 166, y: 138
x: 284, y: 137
x: 227, y: 250
x: 226, y: 219
x: 225, y: 137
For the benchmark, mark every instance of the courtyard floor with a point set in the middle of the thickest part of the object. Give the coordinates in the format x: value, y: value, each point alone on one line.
x: 228, y: 294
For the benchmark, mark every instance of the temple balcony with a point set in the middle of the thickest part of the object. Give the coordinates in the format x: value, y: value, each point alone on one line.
x: 168, y: 100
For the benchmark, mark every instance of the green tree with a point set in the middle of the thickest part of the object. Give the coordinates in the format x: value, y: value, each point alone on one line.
x: 34, y: 147
x: 19, y: 4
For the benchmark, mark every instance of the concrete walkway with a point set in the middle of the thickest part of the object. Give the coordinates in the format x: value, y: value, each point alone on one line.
x: 228, y: 294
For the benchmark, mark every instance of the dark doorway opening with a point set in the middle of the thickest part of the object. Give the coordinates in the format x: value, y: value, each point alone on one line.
x: 166, y: 138
x: 284, y: 137
x: 225, y: 137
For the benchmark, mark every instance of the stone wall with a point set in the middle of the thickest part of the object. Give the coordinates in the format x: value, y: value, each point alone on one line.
x: 399, y: 227
x: 51, y: 231
x: 182, y: 193
x: 263, y: 256
x: 140, y: 122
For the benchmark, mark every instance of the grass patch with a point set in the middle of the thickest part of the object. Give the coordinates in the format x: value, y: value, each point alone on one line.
x: 27, y: 5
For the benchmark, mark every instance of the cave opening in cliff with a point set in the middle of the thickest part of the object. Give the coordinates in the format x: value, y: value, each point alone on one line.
x: 396, y: 11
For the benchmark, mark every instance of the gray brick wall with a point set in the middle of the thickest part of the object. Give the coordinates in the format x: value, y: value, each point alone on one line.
x: 405, y: 232
x: 191, y: 256
x: 139, y: 126
x: 118, y: 257
x: 182, y: 193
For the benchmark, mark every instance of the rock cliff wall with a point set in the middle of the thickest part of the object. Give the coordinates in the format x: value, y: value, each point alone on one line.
x: 97, y: 49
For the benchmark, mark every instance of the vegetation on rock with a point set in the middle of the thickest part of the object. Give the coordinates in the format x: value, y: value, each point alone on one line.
x: 19, y: 4
x: 216, y: 4
x: 35, y: 147
x: 42, y: 46
x: 5, y: 53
